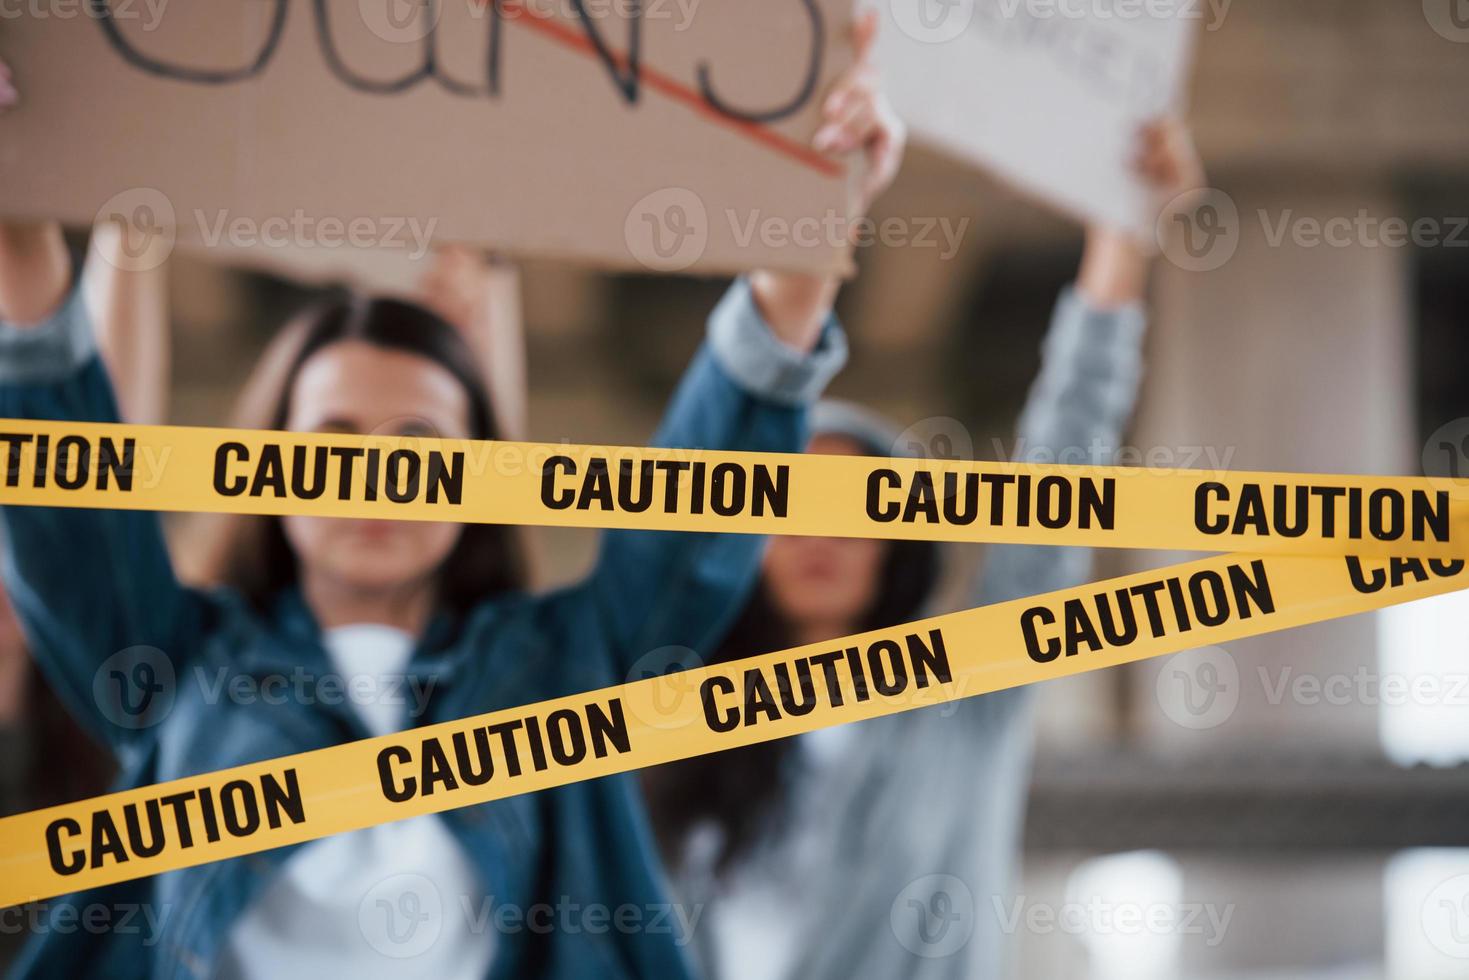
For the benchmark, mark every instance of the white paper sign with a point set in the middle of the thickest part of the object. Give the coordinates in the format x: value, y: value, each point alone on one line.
x: 1049, y: 94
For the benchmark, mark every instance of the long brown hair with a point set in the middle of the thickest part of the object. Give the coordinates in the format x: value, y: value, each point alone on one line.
x: 743, y: 791
x: 252, y: 555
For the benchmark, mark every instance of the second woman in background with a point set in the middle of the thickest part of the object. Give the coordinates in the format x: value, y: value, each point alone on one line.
x: 884, y: 848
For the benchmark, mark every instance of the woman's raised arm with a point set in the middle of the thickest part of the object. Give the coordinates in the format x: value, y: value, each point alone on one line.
x: 94, y: 589
x: 126, y: 293
x: 773, y: 344
x: 856, y: 116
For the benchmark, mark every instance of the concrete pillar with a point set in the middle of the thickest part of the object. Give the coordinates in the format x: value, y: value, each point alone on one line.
x: 1288, y: 356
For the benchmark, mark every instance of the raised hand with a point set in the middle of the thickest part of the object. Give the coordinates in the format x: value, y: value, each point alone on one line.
x: 1114, y: 266
x: 855, y: 115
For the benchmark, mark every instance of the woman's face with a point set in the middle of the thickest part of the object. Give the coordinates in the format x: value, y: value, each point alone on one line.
x: 352, y: 386
x: 824, y: 584
x: 13, y: 660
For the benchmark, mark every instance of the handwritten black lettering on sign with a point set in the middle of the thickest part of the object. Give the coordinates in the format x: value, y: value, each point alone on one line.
x: 624, y: 70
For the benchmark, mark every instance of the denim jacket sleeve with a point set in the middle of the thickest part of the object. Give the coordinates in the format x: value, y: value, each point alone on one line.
x: 746, y: 391
x: 92, y: 588
x: 1076, y: 412
x: 1078, y: 408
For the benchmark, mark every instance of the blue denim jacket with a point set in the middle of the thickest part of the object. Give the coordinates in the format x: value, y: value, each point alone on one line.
x: 91, y: 584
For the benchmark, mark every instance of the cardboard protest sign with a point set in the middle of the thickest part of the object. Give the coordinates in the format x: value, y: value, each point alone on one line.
x: 1048, y: 94
x: 658, y: 134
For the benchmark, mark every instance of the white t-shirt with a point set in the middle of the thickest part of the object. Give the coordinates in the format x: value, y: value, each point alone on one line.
x: 760, y: 921
x: 378, y: 902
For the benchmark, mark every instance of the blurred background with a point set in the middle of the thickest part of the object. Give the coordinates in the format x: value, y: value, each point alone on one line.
x: 1295, y: 805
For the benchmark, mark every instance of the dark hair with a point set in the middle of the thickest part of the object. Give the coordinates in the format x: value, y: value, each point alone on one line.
x: 252, y: 553
x: 742, y: 790
x: 64, y: 762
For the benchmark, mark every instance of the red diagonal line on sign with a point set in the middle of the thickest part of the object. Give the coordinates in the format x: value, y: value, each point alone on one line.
x: 673, y: 89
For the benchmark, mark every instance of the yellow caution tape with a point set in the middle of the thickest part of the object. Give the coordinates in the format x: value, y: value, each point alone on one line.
x: 1302, y: 549
x: 177, y: 468
x: 439, y: 767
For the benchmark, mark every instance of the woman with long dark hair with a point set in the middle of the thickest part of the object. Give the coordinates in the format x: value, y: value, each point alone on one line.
x: 883, y: 848
x: 316, y: 601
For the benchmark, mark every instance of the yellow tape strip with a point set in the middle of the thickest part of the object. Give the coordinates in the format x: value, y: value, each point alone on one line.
x: 440, y: 767
x: 175, y: 468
